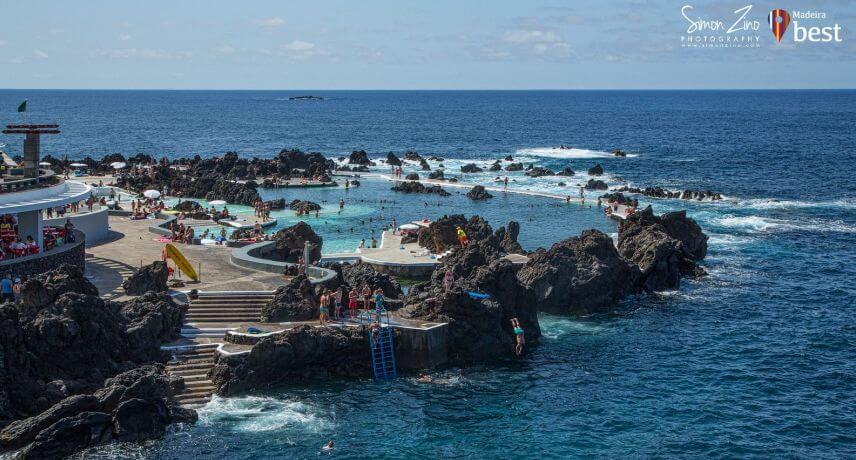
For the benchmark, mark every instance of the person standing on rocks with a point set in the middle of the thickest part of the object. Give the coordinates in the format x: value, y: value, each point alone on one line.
x: 324, y: 307
x: 337, y: 303
x: 378, y: 298
x: 367, y: 297
x: 462, y: 237
x: 448, y: 279
x: 352, y: 303
x: 6, y: 292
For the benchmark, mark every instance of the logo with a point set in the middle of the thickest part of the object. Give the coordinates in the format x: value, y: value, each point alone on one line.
x: 779, y: 20
x: 736, y: 30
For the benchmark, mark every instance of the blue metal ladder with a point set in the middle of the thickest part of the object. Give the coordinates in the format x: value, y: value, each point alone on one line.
x: 383, y: 352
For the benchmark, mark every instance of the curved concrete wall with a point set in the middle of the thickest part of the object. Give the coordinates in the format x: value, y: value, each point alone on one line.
x: 93, y: 224
x: 252, y: 257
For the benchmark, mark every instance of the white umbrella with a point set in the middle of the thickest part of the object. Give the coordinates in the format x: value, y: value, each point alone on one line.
x: 44, y: 163
x: 118, y: 164
x: 217, y: 203
x: 408, y: 227
x: 153, y: 194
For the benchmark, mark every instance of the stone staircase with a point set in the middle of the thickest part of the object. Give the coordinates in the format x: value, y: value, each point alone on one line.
x: 230, y: 307
x: 193, y: 363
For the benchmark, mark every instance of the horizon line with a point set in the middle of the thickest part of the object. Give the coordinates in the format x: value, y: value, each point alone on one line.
x: 435, y: 89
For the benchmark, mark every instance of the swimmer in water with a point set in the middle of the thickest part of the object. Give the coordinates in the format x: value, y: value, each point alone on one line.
x: 329, y: 446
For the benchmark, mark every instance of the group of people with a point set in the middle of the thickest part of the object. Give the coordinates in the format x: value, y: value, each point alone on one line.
x: 10, y: 288
x: 142, y: 208
x: 397, y: 172
x: 262, y: 210
x: 331, y: 305
x: 12, y: 244
x: 181, y: 233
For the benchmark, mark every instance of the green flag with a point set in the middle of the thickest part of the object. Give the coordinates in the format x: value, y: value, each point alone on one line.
x: 22, y: 107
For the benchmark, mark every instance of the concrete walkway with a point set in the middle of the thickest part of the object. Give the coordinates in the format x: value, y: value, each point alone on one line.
x: 132, y: 245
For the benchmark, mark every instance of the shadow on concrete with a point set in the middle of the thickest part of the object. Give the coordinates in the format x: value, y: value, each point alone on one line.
x: 107, y: 275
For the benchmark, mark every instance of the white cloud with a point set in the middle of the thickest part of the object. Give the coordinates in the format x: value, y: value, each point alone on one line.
x: 299, y: 46
x: 299, y: 49
x: 225, y: 49
x: 146, y: 54
x: 521, y: 37
x: 56, y: 31
x: 270, y: 22
x: 531, y: 42
x: 14, y: 60
x: 3, y: 43
x: 40, y: 54
x: 124, y: 37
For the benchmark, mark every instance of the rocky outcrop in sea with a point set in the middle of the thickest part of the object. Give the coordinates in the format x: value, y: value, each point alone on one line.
x: 596, y: 170
x: 392, y: 160
x: 360, y: 157
x: 302, y: 354
x: 659, y: 192
x: 579, y: 275
x: 539, y: 171
x: 304, y: 206
x: 665, y: 248
x: 478, y: 193
x: 419, y: 187
x: 596, y: 184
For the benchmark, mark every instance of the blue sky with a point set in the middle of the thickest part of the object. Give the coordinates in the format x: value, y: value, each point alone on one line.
x: 434, y: 44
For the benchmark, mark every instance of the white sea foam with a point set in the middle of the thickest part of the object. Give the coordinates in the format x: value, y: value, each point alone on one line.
x: 257, y: 413
x: 572, y: 153
x: 771, y: 203
x: 758, y: 224
x: 726, y: 240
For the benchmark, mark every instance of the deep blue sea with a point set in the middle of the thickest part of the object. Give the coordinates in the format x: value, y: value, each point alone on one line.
x: 756, y: 360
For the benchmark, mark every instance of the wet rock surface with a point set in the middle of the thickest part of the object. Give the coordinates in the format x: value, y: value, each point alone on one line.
x: 471, y: 168
x: 596, y: 170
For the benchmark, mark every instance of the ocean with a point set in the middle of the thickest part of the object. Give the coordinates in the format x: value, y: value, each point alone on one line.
x: 756, y: 360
